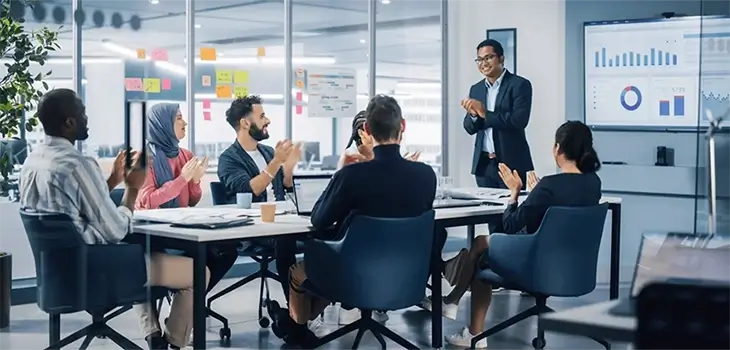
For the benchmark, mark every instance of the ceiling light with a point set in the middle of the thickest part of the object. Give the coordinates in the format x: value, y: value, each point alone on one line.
x: 305, y: 34
x: 197, y: 26
x: 132, y: 54
x: 362, y: 41
x: 385, y: 2
x: 154, y: 2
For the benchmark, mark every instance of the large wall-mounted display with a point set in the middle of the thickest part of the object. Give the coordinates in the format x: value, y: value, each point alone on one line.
x: 646, y: 73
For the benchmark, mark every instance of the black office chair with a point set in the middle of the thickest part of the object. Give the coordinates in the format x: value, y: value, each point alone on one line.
x: 116, y: 195
x: 72, y: 276
x: 262, y: 254
x: 683, y: 315
x: 380, y: 264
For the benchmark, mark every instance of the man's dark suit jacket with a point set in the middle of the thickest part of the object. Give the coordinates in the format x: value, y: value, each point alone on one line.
x: 236, y: 169
x: 508, y: 122
x: 387, y: 186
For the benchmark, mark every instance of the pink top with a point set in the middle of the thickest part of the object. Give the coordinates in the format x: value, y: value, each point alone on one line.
x: 188, y: 193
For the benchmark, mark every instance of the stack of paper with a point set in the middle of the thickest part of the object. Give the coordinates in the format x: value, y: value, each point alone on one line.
x: 195, y: 214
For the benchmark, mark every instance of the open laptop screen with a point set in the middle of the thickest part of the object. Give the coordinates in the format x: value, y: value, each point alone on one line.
x: 307, y: 190
x: 669, y: 256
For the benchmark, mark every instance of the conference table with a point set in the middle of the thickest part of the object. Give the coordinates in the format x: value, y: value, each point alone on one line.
x: 196, y: 241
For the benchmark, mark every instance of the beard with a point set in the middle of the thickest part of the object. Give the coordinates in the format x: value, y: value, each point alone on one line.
x: 257, y: 133
x: 82, y: 134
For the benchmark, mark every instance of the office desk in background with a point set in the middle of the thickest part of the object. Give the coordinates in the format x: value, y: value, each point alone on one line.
x: 593, y: 320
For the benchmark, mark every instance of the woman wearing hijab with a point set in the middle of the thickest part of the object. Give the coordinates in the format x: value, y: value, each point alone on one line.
x: 173, y: 181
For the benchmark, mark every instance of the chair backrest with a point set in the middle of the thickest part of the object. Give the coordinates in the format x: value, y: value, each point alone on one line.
x: 386, y: 261
x: 219, y: 193
x: 116, y: 195
x: 565, y: 253
x: 59, y: 255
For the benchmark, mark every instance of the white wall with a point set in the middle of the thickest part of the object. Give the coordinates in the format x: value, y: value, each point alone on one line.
x: 540, y: 55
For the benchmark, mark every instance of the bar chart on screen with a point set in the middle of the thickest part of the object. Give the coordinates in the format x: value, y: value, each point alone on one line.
x: 674, y: 101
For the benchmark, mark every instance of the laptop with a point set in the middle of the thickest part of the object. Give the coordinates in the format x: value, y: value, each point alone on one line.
x: 307, y: 190
x: 664, y: 257
x: 459, y: 203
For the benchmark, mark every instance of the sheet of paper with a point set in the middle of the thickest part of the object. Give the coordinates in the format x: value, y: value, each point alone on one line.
x: 240, y: 77
x: 133, y: 84
x: 240, y: 91
x: 166, y: 84
x: 223, y: 76
x: 223, y: 91
x: 182, y: 214
x: 207, y: 54
x: 159, y: 55
x: 151, y: 85
x: 206, y: 80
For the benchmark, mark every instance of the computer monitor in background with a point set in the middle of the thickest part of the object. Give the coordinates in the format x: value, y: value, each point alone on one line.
x: 310, y: 151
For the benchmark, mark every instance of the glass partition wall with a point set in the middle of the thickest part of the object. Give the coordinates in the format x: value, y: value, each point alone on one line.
x: 202, y: 54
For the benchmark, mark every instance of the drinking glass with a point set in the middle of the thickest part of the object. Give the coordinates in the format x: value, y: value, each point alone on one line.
x: 446, y: 184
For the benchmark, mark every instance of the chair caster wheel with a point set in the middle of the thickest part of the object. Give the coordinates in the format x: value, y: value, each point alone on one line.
x: 264, y: 322
x: 225, y: 333
x: 538, y: 343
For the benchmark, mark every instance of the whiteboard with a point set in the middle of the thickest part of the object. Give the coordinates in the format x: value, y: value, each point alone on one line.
x: 656, y: 73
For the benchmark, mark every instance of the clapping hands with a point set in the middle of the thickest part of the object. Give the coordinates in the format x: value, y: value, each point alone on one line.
x: 510, y: 178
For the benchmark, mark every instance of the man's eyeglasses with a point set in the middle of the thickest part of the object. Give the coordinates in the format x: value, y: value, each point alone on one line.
x: 487, y: 58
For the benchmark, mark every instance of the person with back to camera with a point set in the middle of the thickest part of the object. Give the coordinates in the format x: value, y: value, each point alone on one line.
x: 360, y: 146
x: 576, y: 185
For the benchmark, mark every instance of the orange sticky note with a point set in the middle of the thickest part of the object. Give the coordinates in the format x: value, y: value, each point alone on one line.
x: 261, y: 51
x: 133, y: 84
x: 141, y: 54
x: 206, y: 104
x: 206, y: 80
x: 206, y: 115
x: 207, y: 54
x: 159, y: 55
x: 166, y: 84
x: 300, y: 84
x: 223, y: 91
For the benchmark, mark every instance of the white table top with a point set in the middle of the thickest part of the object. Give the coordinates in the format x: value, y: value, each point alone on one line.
x: 591, y: 320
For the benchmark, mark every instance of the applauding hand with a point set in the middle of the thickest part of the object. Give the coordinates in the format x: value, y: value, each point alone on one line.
x: 474, y: 107
x: 366, y: 146
x: 282, y: 151
x: 294, y: 156
x: 200, y: 169
x: 351, y: 158
x: 511, y: 179
x: 413, y: 157
x: 532, y: 180
x: 134, y: 178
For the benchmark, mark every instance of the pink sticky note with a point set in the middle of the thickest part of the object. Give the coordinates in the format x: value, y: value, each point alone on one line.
x: 166, y: 84
x: 133, y: 84
x: 299, y: 96
x: 206, y: 115
x: 206, y: 104
x: 159, y: 55
x: 298, y: 110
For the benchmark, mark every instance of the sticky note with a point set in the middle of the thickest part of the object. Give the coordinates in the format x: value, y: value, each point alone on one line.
x: 300, y: 72
x: 240, y: 77
x: 206, y: 80
x: 223, y: 77
x: 300, y: 84
x: 298, y: 110
x: 133, y: 84
x: 141, y: 54
x: 159, y: 55
x: 206, y: 104
x: 299, y: 95
x: 206, y: 115
x: 207, y: 54
x: 223, y: 91
x: 260, y: 51
x: 151, y: 85
x: 240, y: 91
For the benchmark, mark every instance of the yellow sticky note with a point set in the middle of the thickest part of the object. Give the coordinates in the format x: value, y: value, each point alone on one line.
x: 240, y: 77
x: 223, y: 77
x: 151, y: 85
x: 207, y: 54
x: 261, y: 51
x: 223, y: 91
x: 240, y: 91
x: 141, y: 54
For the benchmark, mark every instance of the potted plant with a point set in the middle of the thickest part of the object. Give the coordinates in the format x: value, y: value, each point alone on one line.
x: 20, y: 91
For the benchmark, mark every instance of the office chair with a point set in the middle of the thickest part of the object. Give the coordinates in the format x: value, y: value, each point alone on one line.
x: 560, y: 260
x: 104, y: 280
x: 261, y: 253
x: 696, y: 319
x: 116, y: 195
x: 380, y: 264
x: 16, y: 148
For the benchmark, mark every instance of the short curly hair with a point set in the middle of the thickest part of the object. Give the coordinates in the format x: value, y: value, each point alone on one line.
x: 241, y: 108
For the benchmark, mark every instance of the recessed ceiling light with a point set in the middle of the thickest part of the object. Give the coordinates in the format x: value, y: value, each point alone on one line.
x: 221, y: 54
x: 154, y: 2
x: 385, y: 2
x: 198, y: 26
x: 362, y: 41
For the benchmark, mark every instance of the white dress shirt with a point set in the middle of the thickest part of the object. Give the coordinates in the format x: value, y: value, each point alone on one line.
x: 492, y: 91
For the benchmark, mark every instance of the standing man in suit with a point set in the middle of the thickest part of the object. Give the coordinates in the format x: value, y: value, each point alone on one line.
x: 497, y: 112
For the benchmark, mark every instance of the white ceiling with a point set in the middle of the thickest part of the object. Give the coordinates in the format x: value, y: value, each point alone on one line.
x: 408, y: 36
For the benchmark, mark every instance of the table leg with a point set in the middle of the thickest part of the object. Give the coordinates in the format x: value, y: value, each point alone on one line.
x: 437, y: 330
x: 615, y: 250
x: 199, y: 291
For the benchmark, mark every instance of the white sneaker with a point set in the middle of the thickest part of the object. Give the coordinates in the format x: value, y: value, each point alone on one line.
x: 380, y: 317
x: 463, y: 339
x: 315, y: 325
x: 447, y: 310
x: 348, y: 316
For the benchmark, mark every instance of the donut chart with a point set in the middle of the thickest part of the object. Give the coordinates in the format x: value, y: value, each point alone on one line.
x: 634, y: 90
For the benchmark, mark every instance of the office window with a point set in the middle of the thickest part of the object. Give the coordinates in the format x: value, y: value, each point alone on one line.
x: 408, y: 66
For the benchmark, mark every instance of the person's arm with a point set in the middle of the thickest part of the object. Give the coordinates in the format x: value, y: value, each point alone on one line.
x: 151, y: 197
x: 195, y: 193
x: 111, y: 222
x: 332, y: 206
x: 520, y: 114
x: 472, y: 123
x: 516, y: 217
x: 237, y: 180
x: 288, y: 179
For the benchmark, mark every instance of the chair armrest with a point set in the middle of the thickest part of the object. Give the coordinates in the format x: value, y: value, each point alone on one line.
x: 512, y: 256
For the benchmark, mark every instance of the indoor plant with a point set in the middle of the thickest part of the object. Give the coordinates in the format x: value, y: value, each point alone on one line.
x: 20, y: 89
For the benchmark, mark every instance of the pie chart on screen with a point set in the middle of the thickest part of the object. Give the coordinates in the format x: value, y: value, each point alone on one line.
x: 630, y: 98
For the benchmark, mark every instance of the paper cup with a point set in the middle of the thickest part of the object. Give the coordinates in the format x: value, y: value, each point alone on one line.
x: 268, y: 212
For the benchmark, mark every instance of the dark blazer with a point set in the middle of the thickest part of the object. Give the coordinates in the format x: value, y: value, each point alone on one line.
x: 387, y: 186
x: 508, y: 122
x: 236, y: 169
